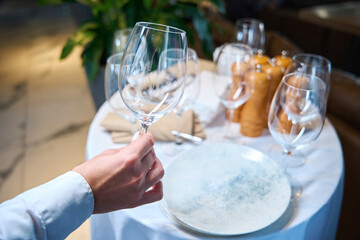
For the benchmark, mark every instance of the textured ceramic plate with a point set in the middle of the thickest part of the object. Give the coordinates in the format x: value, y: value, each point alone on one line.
x: 224, y: 189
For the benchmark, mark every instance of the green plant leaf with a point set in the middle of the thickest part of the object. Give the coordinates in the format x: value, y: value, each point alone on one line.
x: 133, y: 13
x: 220, y: 5
x: 67, y: 49
x: 121, y: 3
x: 52, y: 2
x: 190, y: 1
x: 160, y: 5
x: 90, y: 3
x: 88, y: 25
x: 147, y: 3
x: 85, y: 34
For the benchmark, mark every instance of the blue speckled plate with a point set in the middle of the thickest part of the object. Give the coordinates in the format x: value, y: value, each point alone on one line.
x: 224, y: 189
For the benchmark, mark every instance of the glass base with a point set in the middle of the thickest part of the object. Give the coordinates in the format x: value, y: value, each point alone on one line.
x: 231, y: 132
x: 293, y: 160
x: 179, y: 141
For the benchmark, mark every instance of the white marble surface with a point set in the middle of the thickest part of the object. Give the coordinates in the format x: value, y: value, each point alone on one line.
x: 45, y: 103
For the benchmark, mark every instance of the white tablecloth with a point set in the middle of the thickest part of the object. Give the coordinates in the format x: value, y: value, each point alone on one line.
x: 314, y: 216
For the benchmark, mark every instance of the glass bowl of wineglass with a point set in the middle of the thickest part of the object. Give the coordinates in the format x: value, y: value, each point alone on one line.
x: 153, y: 71
x: 312, y: 64
x: 250, y: 31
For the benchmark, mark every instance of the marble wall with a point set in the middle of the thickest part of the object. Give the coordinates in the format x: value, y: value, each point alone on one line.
x: 45, y: 103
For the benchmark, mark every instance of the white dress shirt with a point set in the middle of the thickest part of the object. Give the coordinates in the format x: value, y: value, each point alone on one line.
x: 50, y: 211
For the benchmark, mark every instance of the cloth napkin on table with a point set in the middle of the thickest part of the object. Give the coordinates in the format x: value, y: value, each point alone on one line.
x: 122, y: 130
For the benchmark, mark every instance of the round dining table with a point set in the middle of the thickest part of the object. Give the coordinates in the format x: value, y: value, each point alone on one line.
x: 314, y: 215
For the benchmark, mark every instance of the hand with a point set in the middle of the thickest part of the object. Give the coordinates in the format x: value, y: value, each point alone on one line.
x: 120, y: 178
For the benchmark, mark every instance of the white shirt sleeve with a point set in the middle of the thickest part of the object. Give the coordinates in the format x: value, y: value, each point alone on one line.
x: 50, y: 211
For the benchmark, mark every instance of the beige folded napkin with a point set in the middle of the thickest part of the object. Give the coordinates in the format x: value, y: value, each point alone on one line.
x: 122, y: 130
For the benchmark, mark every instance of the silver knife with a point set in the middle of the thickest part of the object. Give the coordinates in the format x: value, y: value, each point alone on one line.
x: 186, y: 136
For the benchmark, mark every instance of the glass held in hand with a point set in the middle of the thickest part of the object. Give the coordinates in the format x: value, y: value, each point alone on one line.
x: 112, y: 94
x: 296, y: 117
x: 153, y: 71
x: 250, y: 31
x: 191, y: 91
x: 230, y: 67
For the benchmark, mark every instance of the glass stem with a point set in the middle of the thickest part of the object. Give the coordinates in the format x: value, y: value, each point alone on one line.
x: 144, y: 128
x: 296, y: 189
x: 285, y: 160
x: 228, y: 123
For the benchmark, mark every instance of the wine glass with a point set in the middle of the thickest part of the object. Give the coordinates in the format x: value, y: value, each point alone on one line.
x: 312, y: 64
x: 250, y: 31
x: 296, y: 116
x: 315, y: 65
x: 153, y: 71
x: 230, y: 67
x: 120, y: 39
x: 112, y: 94
x: 191, y: 91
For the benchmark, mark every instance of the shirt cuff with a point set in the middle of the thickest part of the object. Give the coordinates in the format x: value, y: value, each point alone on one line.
x: 63, y: 204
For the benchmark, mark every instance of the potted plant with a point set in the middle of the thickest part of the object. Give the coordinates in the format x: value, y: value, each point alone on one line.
x: 95, y: 34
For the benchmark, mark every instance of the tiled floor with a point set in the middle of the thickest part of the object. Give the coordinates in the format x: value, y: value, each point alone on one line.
x: 45, y: 104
